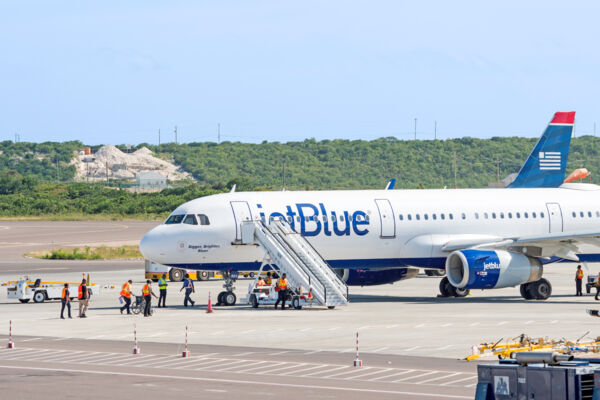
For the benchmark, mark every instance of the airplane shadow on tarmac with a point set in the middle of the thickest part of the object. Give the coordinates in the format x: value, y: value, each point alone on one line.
x: 368, y: 298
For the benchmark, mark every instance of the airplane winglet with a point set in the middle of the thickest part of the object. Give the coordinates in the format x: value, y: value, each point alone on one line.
x: 564, y: 117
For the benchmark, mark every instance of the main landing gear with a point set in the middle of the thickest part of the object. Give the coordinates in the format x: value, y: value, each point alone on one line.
x: 227, y: 297
x: 538, y: 290
x: 447, y: 290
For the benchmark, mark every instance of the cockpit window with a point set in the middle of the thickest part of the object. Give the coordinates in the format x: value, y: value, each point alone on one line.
x: 174, y: 219
x: 203, y: 219
x: 190, y: 219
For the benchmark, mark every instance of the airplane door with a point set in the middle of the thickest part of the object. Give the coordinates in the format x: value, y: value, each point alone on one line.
x: 555, y: 217
x: 241, y: 212
x: 386, y: 218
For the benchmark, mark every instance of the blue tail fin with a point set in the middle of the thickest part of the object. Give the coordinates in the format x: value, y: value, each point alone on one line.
x: 546, y: 165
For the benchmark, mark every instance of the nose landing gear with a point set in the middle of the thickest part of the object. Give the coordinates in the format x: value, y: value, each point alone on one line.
x: 227, y: 297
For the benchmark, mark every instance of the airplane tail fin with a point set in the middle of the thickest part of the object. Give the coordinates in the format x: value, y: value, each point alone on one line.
x: 546, y: 165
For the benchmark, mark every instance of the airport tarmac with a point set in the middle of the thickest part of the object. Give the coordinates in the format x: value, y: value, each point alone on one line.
x: 411, y: 342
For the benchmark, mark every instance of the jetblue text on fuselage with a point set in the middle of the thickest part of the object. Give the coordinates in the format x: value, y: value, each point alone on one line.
x: 312, y: 222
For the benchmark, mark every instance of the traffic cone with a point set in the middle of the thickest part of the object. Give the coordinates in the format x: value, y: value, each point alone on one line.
x: 209, y: 309
x: 186, y: 352
x: 136, y: 349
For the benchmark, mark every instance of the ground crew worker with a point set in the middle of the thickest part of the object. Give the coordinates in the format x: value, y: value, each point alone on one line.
x: 579, y: 281
x: 310, y: 296
x: 162, y: 287
x: 148, y: 293
x: 597, y: 284
x: 84, y: 298
x: 268, y: 280
x: 282, y: 285
x: 126, y: 295
x: 65, y: 301
x: 188, y: 285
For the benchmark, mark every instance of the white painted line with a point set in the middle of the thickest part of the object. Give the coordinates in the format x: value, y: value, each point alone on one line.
x: 419, y: 326
x: 305, y: 330
x: 247, y: 382
x: 458, y: 380
x: 11, y: 352
x: 416, y: 376
x: 378, y: 350
x: 31, y: 340
x: 471, y: 385
x: 140, y: 359
x: 412, y: 348
x: 300, y: 371
x: 555, y: 321
x: 165, y: 361
x: 346, y: 369
x: 335, y: 328
x: 392, y: 326
x: 268, y: 367
x: 95, y: 337
x: 474, y: 324
x: 237, y: 365
x: 331, y: 370
x: 359, y: 376
x: 220, y: 363
x: 364, y: 327
x: 529, y: 322
x: 502, y: 323
x: 437, y: 378
x: 120, y: 358
x: 389, y: 376
x: 80, y: 355
x: 48, y: 355
x: 248, y: 331
x: 256, y: 364
x: 100, y: 358
x: 217, y: 333
x: 444, y: 347
x: 278, y: 353
x: 243, y: 354
x: 448, y: 324
x: 313, y: 352
x: 201, y: 362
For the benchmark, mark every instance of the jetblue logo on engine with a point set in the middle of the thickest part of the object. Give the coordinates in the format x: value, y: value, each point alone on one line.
x: 315, y: 219
x: 491, y: 265
x: 549, y: 160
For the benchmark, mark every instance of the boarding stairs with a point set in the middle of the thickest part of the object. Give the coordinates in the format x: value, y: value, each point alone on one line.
x: 298, y: 259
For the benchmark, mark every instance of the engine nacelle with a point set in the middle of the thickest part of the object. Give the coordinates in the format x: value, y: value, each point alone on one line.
x: 489, y: 269
x: 364, y: 277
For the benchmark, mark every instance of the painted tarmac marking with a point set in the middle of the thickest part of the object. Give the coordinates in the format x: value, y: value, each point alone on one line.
x: 412, y: 348
x: 447, y: 324
x: 474, y: 324
x: 360, y: 376
x: 243, y: 354
x: 173, y: 361
x: 416, y: 376
x: 268, y: 366
x: 294, y: 365
x: 300, y: 371
x: 312, y: 352
x: 458, y: 380
x: 389, y: 376
x: 220, y: 363
x: 419, y: 326
x: 31, y: 340
x: 444, y: 347
x: 331, y: 370
x: 437, y: 378
x: 502, y: 323
x: 244, y: 365
x: 379, y: 349
x: 529, y: 322
x: 278, y: 353
x: 237, y: 381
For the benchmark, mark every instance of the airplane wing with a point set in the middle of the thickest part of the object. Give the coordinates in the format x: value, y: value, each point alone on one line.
x: 561, y: 245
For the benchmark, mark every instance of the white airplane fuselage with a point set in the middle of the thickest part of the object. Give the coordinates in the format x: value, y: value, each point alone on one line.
x: 373, y: 229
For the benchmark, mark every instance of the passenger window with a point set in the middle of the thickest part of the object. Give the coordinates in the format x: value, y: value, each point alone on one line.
x: 581, y: 214
x: 443, y: 216
x: 426, y: 217
x: 203, y: 219
x: 342, y: 218
x: 542, y: 215
x: 589, y: 214
x: 367, y: 217
x: 401, y: 217
x: 533, y: 215
x: 494, y: 215
x: 502, y: 215
x: 574, y: 214
x: 190, y: 219
x: 526, y: 215
x: 463, y: 216
x: 509, y: 215
x: 476, y: 215
x: 450, y: 216
x: 409, y: 217
x: 485, y: 215
x: 433, y: 216
x: 518, y: 215
x: 174, y: 219
x: 598, y: 214
x: 418, y: 217
x: 290, y: 220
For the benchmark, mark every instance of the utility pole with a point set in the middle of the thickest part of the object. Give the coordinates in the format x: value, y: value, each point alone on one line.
x: 175, y: 134
x: 159, y: 136
x: 435, y: 130
x: 415, y: 129
x: 454, y: 165
x: 218, y: 133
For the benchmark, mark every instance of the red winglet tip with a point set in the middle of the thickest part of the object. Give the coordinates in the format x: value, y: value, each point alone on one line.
x: 563, y: 117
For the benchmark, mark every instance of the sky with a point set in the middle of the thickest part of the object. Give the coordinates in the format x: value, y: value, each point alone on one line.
x: 118, y: 71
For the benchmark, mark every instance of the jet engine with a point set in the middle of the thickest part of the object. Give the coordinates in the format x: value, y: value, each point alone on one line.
x: 365, y: 277
x: 491, y: 269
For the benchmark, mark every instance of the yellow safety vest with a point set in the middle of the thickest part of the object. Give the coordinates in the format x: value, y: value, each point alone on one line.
x: 146, y: 290
x: 580, y: 274
x: 282, y: 284
x: 162, y: 283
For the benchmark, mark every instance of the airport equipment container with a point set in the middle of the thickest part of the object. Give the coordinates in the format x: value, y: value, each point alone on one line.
x: 532, y: 375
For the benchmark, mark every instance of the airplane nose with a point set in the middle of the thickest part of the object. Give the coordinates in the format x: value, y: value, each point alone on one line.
x: 149, y: 246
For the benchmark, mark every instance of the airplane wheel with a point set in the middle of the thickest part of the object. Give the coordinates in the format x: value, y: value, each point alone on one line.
x: 175, y: 275
x: 461, y: 292
x: 24, y: 300
x: 524, y: 289
x: 330, y: 307
x: 253, y: 301
x: 229, y: 298
x: 220, y: 300
x: 251, y: 275
x: 39, y: 296
x: 540, y: 290
x: 203, y: 275
x: 445, y: 287
x: 296, y: 303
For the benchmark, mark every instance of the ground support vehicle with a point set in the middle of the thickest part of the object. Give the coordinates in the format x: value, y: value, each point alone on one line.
x: 592, y: 282
x: 155, y: 270
x: 268, y: 295
x: 25, y: 290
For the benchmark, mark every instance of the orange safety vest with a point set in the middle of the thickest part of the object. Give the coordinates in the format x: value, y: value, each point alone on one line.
x: 126, y: 291
x: 146, y: 290
x: 310, y: 295
x: 80, y: 292
x: 64, y: 293
x: 268, y: 281
x: 580, y: 274
x: 282, y: 284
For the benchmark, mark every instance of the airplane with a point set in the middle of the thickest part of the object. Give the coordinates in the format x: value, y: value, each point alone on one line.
x: 482, y: 238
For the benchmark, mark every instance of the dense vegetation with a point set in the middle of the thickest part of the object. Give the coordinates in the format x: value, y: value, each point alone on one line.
x: 32, y: 185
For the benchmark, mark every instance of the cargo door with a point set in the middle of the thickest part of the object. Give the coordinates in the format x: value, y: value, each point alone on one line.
x: 241, y: 212
x: 386, y: 218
